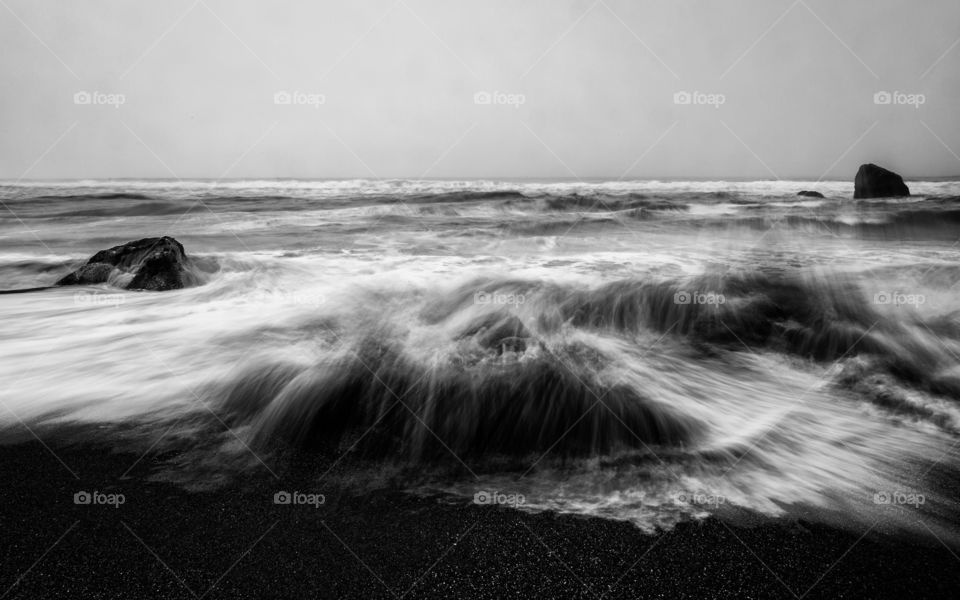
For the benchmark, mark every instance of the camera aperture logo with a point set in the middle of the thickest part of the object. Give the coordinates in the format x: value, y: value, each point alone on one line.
x: 299, y: 498
x: 496, y: 98
x: 298, y: 98
x: 695, y: 98
x: 706, y: 298
x: 491, y: 497
x: 899, y: 299
x: 897, y: 98
x: 98, y: 498
x: 95, y: 98
x: 899, y: 497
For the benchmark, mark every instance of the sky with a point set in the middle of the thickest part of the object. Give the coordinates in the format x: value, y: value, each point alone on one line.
x: 642, y: 89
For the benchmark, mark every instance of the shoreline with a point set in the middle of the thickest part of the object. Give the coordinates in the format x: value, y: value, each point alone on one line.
x: 164, y: 541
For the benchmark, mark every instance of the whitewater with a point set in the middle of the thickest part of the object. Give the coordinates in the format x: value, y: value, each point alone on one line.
x: 650, y: 351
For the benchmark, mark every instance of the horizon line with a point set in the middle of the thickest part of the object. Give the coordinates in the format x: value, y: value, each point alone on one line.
x: 598, y: 179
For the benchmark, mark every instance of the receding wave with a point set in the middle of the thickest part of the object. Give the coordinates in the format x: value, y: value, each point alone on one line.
x: 392, y: 405
x: 519, y: 382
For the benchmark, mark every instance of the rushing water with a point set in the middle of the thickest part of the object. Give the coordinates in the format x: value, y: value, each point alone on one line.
x: 637, y: 350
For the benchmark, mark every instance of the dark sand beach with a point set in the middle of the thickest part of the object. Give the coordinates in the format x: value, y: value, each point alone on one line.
x: 234, y: 542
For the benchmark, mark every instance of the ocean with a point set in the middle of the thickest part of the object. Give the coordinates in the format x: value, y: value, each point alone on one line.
x: 648, y: 351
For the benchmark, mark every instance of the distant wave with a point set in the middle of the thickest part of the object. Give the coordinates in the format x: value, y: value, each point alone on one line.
x: 501, y: 208
x: 608, y: 202
x: 461, y: 196
x: 938, y: 222
x: 98, y: 196
x: 142, y: 209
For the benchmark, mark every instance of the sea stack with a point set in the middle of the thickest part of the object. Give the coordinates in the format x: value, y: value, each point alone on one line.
x: 155, y: 264
x: 876, y: 182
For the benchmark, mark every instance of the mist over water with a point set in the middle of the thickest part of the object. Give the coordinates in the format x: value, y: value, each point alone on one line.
x: 647, y: 351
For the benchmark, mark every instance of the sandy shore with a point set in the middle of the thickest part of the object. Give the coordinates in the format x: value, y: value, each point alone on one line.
x: 235, y: 542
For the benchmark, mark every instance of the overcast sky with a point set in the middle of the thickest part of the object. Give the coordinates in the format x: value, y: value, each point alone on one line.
x: 389, y: 88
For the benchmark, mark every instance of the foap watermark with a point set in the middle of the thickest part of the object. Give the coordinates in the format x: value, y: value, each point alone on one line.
x: 95, y: 98
x: 700, y: 499
x: 299, y: 498
x: 684, y: 297
x: 899, y: 497
x: 99, y: 498
x: 495, y: 497
x: 899, y: 299
x: 499, y: 99
x: 298, y: 98
x: 695, y: 98
x: 482, y: 297
x: 897, y: 98
x: 98, y: 299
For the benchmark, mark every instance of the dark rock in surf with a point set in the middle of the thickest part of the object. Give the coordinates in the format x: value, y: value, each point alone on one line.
x: 156, y: 264
x: 92, y: 272
x: 876, y: 182
x: 810, y: 194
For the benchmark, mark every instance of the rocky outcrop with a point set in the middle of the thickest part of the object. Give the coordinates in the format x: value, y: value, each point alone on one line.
x: 876, y: 182
x: 155, y: 264
x: 810, y: 194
